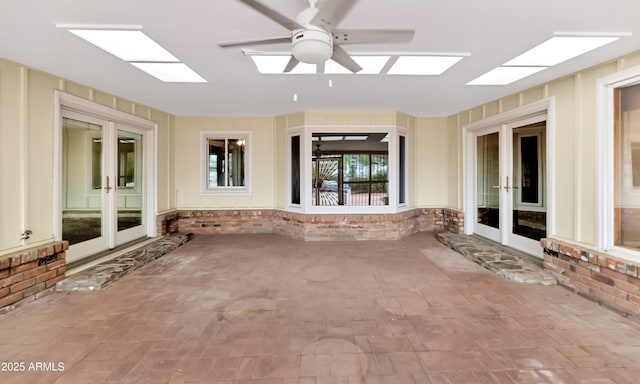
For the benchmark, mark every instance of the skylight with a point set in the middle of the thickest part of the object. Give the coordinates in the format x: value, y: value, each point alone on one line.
x: 422, y: 65
x: 171, y: 72
x: 331, y: 138
x: 371, y: 64
x: 126, y: 45
x: 270, y: 63
x: 505, y: 75
x: 560, y: 48
x: 551, y: 52
x: 356, y: 138
x: 135, y: 47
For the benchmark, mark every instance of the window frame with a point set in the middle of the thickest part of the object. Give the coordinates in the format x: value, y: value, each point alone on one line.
x: 306, y: 132
x: 205, y: 136
x: 605, y: 160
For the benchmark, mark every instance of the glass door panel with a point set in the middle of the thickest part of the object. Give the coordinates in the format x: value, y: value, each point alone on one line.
x: 529, y: 212
x: 83, y: 218
x: 129, y: 180
x: 488, y: 180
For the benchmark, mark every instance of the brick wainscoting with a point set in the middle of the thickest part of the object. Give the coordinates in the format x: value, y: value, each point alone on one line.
x: 31, y: 273
x: 607, y: 280
x: 453, y: 220
x: 311, y: 226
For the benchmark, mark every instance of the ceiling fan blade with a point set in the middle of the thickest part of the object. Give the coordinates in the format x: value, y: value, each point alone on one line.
x: 331, y: 13
x: 372, y: 36
x: 273, y: 40
x: 291, y: 64
x: 341, y: 57
x: 274, y: 15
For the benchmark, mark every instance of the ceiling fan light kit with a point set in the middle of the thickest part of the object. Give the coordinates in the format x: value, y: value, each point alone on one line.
x: 314, y: 37
x: 312, y: 46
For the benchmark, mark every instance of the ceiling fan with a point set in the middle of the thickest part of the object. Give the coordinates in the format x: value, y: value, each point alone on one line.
x: 315, y: 38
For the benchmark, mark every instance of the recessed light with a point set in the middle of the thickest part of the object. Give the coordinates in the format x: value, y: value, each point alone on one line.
x: 128, y: 45
x: 559, y: 49
x: 171, y: 72
x: 505, y: 75
x: 422, y: 65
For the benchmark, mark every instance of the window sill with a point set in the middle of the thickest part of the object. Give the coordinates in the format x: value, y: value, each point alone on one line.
x: 226, y: 191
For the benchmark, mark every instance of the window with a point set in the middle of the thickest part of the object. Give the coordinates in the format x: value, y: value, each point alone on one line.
x: 225, y: 162
x: 627, y: 167
x: 618, y: 166
x: 402, y: 172
x: 350, y: 169
x: 295, y: 169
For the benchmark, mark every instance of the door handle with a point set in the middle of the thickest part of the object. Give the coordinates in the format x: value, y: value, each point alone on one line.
x: 497, y: 187
x: 108, y: 187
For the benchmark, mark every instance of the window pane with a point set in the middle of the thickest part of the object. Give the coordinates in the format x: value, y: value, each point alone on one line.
x: 129, y: 183
x: 529, y: 177
x: 216, y: 163
x: 627, y: 148
x: 360, y: 161
x: 401, y: 172
x: 295, y: 169
x: 488, y: 179
x: 236, y: 163
x: 82, y: 181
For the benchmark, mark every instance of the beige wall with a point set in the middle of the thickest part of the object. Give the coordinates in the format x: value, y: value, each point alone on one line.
x: 26, y: 150
x: 575, y: 146
x: 430, y: 162
x: 189, y: 161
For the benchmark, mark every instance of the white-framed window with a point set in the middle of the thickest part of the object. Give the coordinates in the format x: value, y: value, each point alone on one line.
x: 225, y: 162
x: 353, y: 169
x: 403, y: 169
x: 618, y: 149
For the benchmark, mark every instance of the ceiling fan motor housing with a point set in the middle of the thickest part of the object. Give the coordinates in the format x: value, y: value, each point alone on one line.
x: 312, y: 46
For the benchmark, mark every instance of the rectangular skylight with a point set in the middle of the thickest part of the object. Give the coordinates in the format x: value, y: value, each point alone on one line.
x: 422, y: 65
x: 356, y: 138
x: 128, y: 45
x: 333, y: 68
x: 171, y: 72
x: 505, y: 75
x: 304, y: 69
x: 559, y: 49
x: 331, y: 138
x: 371, y: 64
x: 271, y: 64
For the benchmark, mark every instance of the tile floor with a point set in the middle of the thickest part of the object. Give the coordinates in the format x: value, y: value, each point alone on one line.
x: 265, y: 309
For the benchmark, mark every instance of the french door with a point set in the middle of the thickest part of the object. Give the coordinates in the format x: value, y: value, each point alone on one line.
x: 102, y: 180
x: 510, y: 203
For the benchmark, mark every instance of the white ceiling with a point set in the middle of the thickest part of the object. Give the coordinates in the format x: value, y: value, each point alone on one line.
x: 491, y: 31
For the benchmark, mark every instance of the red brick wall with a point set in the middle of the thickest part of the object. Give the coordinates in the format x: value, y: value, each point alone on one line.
x: 32, y: 273
x: 305, y: 226
x: 453, y: 220
x: 610, y: 281
x: 225, y: 221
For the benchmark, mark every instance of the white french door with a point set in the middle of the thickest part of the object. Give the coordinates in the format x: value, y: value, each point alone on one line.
x: 509, y: 183
x: 103, y: 184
